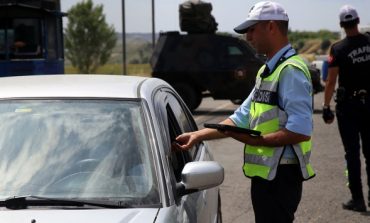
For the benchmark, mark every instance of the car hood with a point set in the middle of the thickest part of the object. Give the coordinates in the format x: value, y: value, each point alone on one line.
x: 83, y: 215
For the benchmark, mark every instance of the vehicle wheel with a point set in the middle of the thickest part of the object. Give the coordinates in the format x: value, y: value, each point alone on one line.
x: 189, y: 94
x: 219, y: 212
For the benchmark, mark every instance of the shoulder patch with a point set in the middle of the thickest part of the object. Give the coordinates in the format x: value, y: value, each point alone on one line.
x: 330, y: 59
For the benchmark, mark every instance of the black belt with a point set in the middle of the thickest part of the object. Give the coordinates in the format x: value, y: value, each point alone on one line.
x: 344, y: 94
x: 284, y: 161
x: 359, y: 93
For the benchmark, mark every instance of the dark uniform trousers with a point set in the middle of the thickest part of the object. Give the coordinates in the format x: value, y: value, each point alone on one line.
x: 276, y: 201
x: 353, y: 117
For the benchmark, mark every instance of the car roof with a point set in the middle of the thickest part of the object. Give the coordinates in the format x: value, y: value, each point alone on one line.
x: 111, y: 86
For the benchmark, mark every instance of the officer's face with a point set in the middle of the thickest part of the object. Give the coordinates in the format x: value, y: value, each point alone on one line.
x: 257, y: 36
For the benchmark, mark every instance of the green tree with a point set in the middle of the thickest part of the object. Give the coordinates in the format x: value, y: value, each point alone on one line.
x: 89, y: 40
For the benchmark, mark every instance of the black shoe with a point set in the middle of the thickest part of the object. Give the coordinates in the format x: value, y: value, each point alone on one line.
x: 355, y: 205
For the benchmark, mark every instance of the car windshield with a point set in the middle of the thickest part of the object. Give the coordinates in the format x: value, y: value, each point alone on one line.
x: 86, y: 149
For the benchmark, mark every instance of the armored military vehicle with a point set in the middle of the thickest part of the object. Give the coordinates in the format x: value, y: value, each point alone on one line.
x: 199, y: 65
x: 202, y: 62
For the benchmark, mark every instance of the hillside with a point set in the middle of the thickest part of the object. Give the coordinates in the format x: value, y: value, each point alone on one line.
x: 139, y: 49
x: 309, y: 44
x: 139, y: 45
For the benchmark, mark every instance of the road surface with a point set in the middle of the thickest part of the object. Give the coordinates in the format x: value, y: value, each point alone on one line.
x: 322, y: 196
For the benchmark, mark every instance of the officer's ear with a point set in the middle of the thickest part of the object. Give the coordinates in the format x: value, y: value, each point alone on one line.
x: 271, y: 25
x: 280, y: 26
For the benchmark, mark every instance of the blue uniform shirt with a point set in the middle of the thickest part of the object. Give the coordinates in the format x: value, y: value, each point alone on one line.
x: 294, y: 91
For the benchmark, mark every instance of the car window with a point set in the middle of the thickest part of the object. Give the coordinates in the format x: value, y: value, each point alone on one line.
x: 178, y: 159
x: 234, y: 51
x: 21, y: 38
x: 177, y: 120
x: 91, y: 149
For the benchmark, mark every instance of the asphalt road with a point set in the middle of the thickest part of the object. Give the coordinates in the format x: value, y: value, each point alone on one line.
x: 322, y: 196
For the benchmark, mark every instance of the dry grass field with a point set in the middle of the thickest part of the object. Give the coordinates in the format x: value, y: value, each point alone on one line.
x: 117, y: 69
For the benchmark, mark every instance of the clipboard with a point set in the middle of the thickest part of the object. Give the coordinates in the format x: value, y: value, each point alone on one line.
x: 222, y: 127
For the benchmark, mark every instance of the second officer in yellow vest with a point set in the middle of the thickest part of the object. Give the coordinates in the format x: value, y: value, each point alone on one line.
x: 280, y: 107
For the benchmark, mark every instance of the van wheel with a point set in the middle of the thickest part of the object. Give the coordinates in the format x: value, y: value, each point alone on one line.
x: 189, y: 94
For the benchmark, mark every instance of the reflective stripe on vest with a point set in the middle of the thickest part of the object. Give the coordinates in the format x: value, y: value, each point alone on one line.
x: 267, y: 117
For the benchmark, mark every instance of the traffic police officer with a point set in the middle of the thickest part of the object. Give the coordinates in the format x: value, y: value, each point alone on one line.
x: 280, y: 107
x: 349, y: 60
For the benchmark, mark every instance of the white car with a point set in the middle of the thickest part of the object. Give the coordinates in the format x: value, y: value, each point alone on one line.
x: 97, y: 148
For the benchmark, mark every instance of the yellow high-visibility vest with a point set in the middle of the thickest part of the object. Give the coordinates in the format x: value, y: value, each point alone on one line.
x: 267, y: 117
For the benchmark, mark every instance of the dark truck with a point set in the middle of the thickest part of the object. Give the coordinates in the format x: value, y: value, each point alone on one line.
x: 204, y: 63
x: 199, y: 65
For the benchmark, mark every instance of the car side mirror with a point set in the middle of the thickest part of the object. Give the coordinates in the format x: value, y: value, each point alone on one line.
x: 200, y: 175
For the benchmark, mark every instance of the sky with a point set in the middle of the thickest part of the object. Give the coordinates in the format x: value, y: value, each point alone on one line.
x: 304, y: 15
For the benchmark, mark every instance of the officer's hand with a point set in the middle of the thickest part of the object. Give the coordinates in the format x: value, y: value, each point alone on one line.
x: 185, y: 141
x: 327, y: 114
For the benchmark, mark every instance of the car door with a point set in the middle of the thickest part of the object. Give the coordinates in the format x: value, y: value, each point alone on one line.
x: 176, y: 119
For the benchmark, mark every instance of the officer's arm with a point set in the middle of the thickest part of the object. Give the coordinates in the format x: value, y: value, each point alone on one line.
x: 279, y: 138
x: 330, y: 84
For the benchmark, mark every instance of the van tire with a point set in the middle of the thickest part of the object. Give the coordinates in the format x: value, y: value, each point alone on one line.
x: 191, y: 96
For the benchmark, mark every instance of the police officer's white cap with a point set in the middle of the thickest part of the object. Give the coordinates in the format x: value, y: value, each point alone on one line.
x: 347, y: 13
x: 262, y: 11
